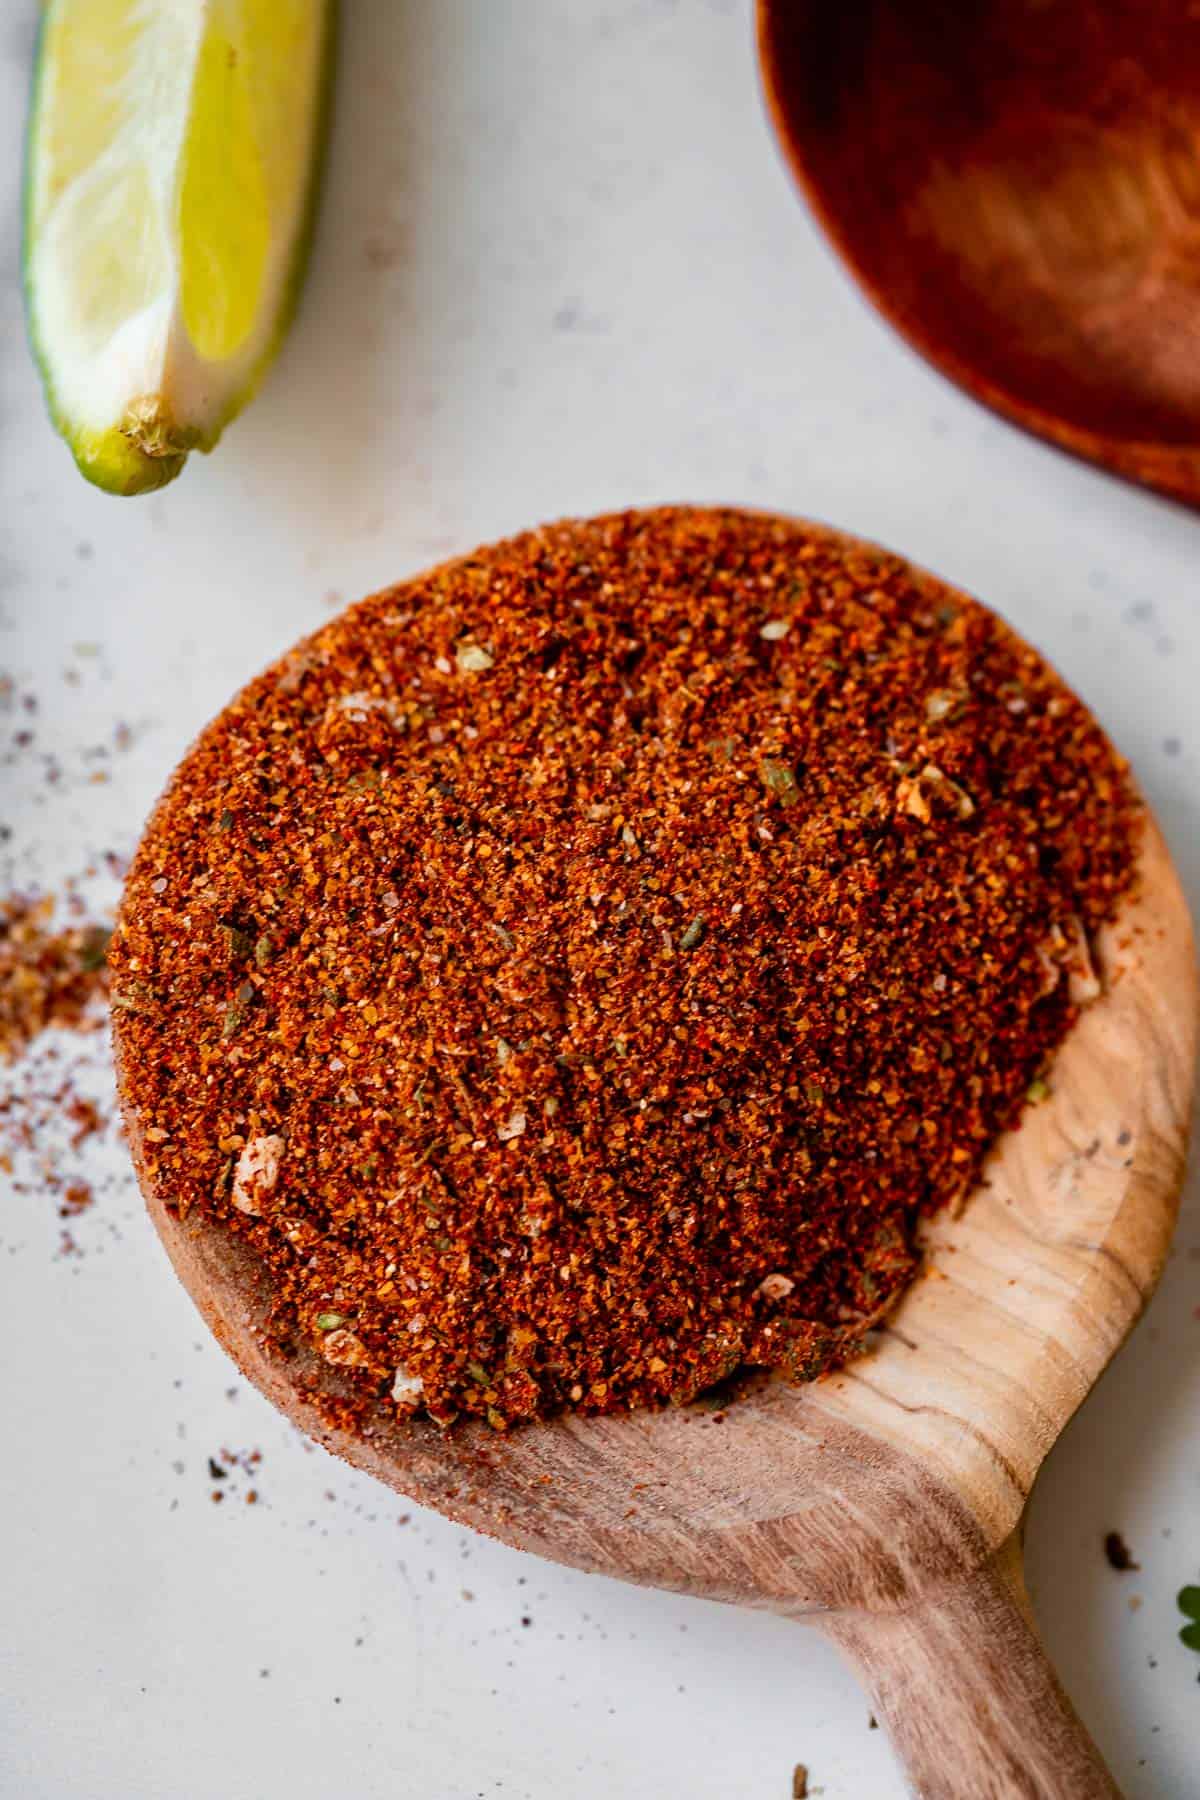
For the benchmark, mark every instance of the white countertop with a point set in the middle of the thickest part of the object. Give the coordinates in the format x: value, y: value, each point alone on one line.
x: 560, y: 268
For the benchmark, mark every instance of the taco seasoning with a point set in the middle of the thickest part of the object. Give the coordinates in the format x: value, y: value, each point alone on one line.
x: 574, y: 972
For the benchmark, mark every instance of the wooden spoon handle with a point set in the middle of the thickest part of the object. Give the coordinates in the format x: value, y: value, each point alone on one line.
x: 968, y: 1694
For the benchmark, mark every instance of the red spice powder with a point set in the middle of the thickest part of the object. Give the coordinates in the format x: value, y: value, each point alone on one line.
x: 53, y: 977
x: 575, y: 971
x: 48, y: 978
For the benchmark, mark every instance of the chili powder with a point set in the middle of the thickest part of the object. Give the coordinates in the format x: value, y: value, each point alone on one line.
x: 49, y: 979
x: 576, y: 970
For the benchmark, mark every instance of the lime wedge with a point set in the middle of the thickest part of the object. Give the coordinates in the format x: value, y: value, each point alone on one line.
x: 171, y: 171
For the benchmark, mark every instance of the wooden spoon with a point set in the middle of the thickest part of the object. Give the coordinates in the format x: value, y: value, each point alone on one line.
x: 883, y: 1504
x: 1017, y: 187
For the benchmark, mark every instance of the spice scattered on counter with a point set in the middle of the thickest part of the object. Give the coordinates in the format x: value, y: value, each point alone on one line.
x: 1118, y: 1553
x: 227, y: 1469
x: 44, y: 769
x: 48, y: 977
x: 53, y: 978
x: 799, y: 1782
x: 46, y: 1119
x: 574, y: 972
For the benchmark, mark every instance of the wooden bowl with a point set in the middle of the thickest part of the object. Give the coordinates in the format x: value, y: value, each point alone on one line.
x: 1016, y: 185
x: 882, y: 1504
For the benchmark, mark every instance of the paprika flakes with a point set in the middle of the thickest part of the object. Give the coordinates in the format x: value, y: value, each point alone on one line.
x: 575, y: 971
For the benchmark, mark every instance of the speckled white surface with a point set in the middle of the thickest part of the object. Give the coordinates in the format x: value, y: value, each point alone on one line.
x: 559, y: 269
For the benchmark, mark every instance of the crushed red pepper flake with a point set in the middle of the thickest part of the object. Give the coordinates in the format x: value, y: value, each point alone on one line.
x: 608, y: 978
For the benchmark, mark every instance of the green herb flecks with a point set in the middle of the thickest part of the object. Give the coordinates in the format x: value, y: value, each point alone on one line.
x: 1189, y: 1606
x: 235, y: 1012
x: 238, y: 943
x: 779, y: 780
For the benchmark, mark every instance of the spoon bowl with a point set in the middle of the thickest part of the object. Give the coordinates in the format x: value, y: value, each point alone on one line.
x: 882, y: 1503
x: 1016, y: 185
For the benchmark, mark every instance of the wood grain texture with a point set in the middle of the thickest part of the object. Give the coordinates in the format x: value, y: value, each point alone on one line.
x: 1017, y: 188
x: 875, y: 1501
x: 961, y: 1670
